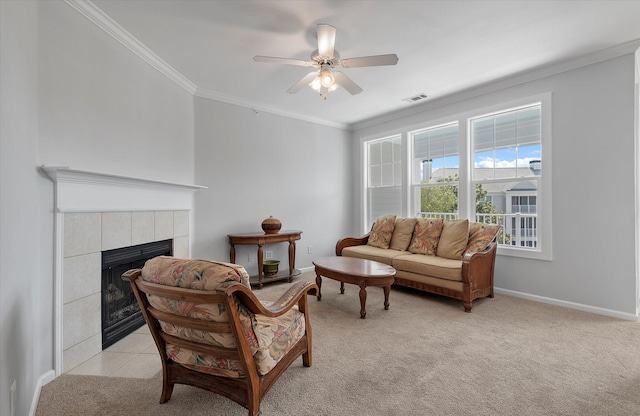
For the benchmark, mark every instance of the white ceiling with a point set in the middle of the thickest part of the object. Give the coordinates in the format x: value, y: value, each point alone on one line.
x: 444, y: 46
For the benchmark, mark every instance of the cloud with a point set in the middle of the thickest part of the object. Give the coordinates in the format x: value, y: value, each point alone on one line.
x: 500, y: 163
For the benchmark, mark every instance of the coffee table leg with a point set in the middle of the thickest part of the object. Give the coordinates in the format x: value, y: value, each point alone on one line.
x: 319, y: 283
x: 342, y: 288
x: 363, y: 301
x: 387, y: 289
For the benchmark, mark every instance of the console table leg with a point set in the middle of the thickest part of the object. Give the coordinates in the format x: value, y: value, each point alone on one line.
x: 363, y: 301
x: 260, y: 263
x: 232, y: 254
x: 319, y: 283
x: 292, y: 257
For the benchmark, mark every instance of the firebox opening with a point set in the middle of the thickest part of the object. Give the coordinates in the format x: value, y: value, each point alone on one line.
x: 120, y: 311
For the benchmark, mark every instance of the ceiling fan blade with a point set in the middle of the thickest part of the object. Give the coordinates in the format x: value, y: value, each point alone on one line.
x: 304, y: 81
x: 326, y: 40
x: 377, y: 60
x: 346, y: 83
x: 286, y: 61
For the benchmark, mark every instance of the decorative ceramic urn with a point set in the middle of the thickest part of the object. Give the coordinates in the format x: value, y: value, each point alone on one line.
x: 270, y: 267
x: 271, y: 225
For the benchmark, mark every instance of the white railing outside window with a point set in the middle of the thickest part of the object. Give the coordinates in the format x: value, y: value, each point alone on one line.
x: 517, y: 230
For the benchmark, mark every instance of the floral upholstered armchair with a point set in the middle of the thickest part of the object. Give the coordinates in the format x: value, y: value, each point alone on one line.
x: 213, y: 333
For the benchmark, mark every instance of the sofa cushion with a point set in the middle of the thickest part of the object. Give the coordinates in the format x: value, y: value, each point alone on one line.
x: 453, y: 240
x: 192, y: 274
x: 402, y: 233
x: 430, y: 266
x: 480, y: 235
x: 270, y: 340
x: 426, y: 236
x: 373, y: 253
x: 381, y: 231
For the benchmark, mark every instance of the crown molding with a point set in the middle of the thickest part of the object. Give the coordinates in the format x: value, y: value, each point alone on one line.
x: 106, y: 23
x: 103, y: 21
x: 111, y: 27
x: 212, y: 95
x: 505, y: 82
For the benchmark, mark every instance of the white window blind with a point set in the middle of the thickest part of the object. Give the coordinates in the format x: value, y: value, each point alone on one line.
x: 511, y: 129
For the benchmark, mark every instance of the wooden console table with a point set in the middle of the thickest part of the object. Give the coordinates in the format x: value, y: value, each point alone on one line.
x: 260, y: 239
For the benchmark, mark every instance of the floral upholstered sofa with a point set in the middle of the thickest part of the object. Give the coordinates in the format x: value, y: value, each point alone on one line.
x: 450, y: 258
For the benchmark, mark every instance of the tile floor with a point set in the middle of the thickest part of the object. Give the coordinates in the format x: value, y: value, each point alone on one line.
x: 135, y: 356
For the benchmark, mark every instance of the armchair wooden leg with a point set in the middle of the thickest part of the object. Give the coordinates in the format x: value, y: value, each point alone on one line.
x: 167, y: 390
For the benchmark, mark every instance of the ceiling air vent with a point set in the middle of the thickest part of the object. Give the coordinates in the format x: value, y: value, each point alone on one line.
x: 416, y: 98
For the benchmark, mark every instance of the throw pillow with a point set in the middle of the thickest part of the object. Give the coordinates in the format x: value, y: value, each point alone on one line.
x: 402, y: 233
x: 480, y: 235
x: 381, y: 231
x: 426, y: 235
x: 453, y: 240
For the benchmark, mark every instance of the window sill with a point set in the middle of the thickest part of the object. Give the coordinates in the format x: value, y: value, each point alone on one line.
x: 534, y: 254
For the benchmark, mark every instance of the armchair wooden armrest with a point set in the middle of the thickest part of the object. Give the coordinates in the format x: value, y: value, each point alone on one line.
x: 350, y: 242
x: 131, y: 274
x: 297, y: 294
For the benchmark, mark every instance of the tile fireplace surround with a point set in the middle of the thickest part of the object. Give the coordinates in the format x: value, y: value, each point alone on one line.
x: 96, y: 212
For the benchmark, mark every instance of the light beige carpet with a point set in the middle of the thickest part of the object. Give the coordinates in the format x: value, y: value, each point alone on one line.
x: 424, y: 356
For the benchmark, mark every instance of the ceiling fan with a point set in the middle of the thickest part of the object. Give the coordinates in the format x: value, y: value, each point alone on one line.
x: 324, y: 78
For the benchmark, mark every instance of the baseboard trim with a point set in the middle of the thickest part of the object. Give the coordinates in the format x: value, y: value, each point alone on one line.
x: 570, y: 305
x: 42, y: 380
x: 307, y: 269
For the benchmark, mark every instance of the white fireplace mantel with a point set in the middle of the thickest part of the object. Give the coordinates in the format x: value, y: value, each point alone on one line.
x: 85, y: 191
x: 79, y: 191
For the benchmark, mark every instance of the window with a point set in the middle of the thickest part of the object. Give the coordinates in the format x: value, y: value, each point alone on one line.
x: 484, y: 165
x: 384, y: 178
x: 507, y: 157
x: 435, y: 171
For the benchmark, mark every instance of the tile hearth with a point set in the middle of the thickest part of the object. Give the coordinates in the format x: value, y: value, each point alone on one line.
x: 135, y: 356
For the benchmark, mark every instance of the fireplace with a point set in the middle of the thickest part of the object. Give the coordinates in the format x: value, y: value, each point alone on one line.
x: 97, y: 212
x: 120, y: 311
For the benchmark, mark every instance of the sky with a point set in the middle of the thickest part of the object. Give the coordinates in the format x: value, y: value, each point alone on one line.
x: 504, y: 158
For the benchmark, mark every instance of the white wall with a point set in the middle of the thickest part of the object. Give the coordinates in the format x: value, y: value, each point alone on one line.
x: 71, y: 95
x: 25, y: 290
x: 104, y: 109
x: 593, y: 185
x: 256, y: 166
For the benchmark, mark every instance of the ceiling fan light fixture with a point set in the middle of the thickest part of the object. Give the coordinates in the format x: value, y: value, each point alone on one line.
x: 316, y: 84
x: 326, y: 78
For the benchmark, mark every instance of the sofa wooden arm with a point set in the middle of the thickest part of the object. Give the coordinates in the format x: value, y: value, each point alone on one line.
x: 477, y: 267
x: 350, y: 242
x: 297, y: 294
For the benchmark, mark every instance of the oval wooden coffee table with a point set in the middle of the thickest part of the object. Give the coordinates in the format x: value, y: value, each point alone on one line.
x: 358, y: 272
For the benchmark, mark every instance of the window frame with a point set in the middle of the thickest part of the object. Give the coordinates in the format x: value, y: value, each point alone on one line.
x: 466, y: 184
x: 367, y: 173
x: 543, y: 251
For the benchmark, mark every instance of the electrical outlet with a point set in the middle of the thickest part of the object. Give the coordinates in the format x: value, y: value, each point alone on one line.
x: 251, y: 258
x: 13, y: 398
x: 268, y: 255
x: 309, y: 250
